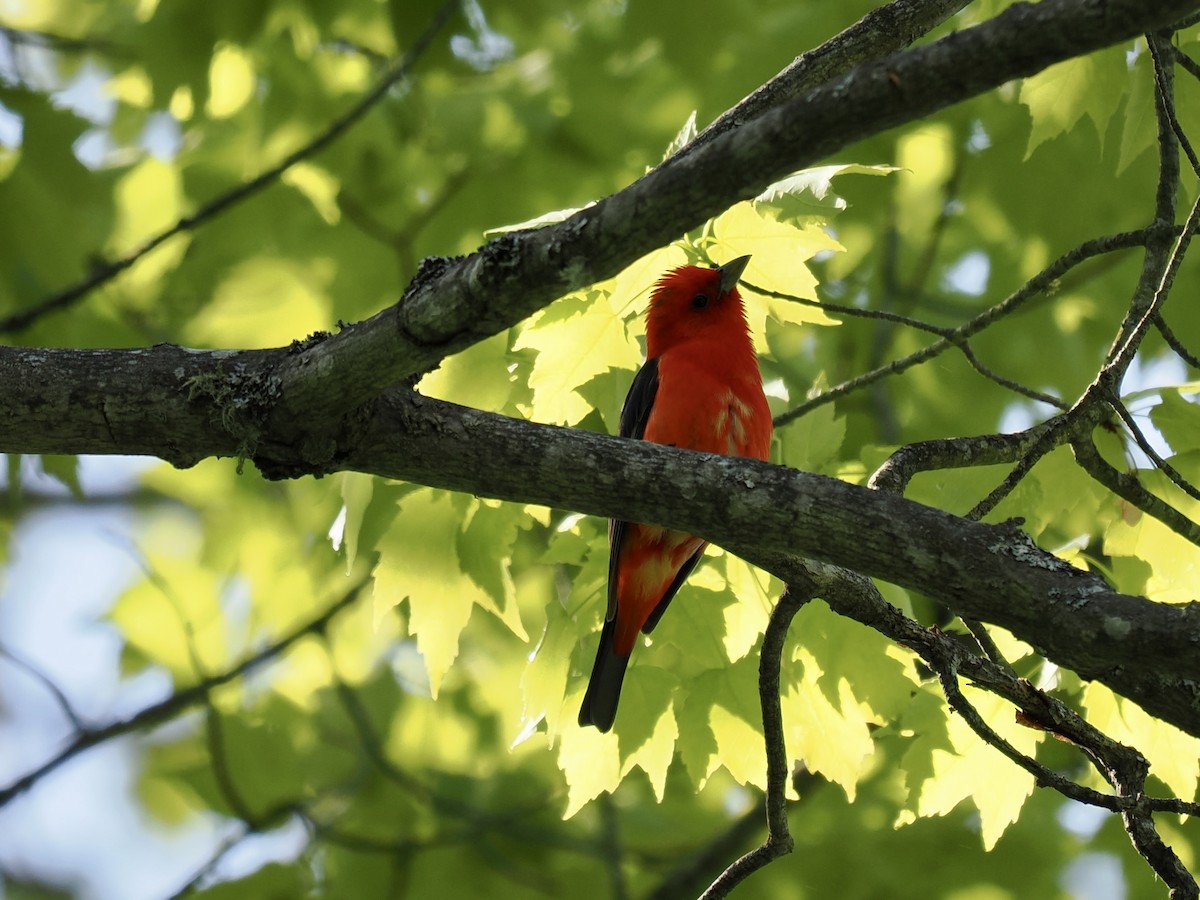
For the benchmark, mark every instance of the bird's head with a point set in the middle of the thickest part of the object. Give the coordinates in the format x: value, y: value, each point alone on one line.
x: 695, y: 302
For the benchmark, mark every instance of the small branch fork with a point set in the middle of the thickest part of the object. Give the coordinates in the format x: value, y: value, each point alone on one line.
x: 1100, y: 402
x: 1122, y: 767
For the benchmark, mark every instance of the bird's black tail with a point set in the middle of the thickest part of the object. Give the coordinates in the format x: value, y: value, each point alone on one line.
x: 604, y: 689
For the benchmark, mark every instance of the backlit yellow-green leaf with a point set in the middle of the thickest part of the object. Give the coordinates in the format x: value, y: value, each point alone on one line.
x: 590, y: 763
x: 969, y: 768
x: 746, y: 620
x: 176, y: 620
x: 807, y: 196
x: 631, y: 289
x: 149, y: 200
x: 830, y: 739
x: 544, y: 682
x: 1175, y: 560
x: 576, y: 338
x: 265, y: 303
x: 484, y: 549
x: 358, y: 642
x: 926, y: 160
x: 304, y: 675
x: 318, y: 186
x: 740, y: 747
x: 1174, y: 756
x: 1058, y: 97
x: 645, y: 702
x: 357, y: 490
x: 736, y: 722
x: 418, y: 562
x: 479, y: 376
x: 778, y: 254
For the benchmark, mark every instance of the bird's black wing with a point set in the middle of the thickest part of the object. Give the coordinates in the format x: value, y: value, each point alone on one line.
x: 634, y: 415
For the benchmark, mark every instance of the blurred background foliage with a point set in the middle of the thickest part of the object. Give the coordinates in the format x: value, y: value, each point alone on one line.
x: 421, y: 741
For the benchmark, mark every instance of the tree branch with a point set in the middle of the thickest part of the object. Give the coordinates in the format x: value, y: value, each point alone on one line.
x: 880, y: 32
x: 453, y: 304
x: 779, y: 839
x: 958, y: 335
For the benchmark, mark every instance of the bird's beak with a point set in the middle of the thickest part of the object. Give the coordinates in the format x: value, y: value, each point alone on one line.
x: 731, y: 272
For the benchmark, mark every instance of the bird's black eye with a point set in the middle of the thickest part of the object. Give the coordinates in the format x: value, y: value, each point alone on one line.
x: 700, y: 301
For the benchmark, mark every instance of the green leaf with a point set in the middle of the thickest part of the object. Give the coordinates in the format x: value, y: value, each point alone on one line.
x: 1178, y: 419
x: 646, y: 726
x: 272, y: 880
x: 176, y: 620
x: 419, y: 562
x: 64, y: 470
x: 1139, y: 128
x: 815, y: 447
x: 576, y: 339
x: 544, y: 682
x: 484, y: 551
x: 746, y: 620
x: 479, y: 376
x: 948, y: 763
x: 265, y: 303
x: 1174, y: 756
x: 926, y: 158
x: 1058, y: 97
x: 590, y: 762
x: 1174, y: 561
x: 736, y: 722
x: 807, y: 197
x: 357, y: 490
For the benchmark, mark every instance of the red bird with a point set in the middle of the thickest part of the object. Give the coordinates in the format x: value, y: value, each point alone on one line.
x: 700, y: 389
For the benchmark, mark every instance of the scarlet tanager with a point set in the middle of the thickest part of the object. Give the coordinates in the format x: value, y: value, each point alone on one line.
x: 700, y: 388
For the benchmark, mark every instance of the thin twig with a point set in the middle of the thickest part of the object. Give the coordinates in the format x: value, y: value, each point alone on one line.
x: 1032, y: 288
x: 855, y: 596
x: 1050, y: 435
x: 167, y: 709
x: 779, y: 839
x: 894, y: 474
x: 19, y: 37
x: 1127, y: 346
x: 1174, y: 343
x: 682, y: 881
x: 48, y: 683
x: 1015, y: 386
x: 1164, y: 83
x: 1146, y: 447
x: 1132, y: 491
x: 840, y: 309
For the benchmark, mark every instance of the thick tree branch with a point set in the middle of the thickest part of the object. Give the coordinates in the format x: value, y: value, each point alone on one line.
x: 291, y: 396
x: 455, y: 304
x: 1141, y: 649
x: 880, y: 32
